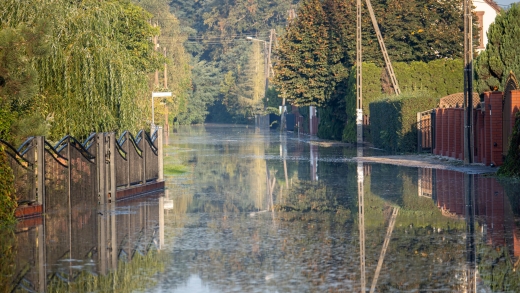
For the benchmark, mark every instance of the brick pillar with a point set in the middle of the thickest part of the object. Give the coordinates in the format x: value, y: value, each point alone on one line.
x: 481, y: 137
x: 458, y: 136
x: 445, y: 133
x: 476, y: 149
x: 496, y: 128
x: 487, y: 127
x: 438, y: 131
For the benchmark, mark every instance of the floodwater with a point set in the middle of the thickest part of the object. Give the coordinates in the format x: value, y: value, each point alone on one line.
x: 252, y: 211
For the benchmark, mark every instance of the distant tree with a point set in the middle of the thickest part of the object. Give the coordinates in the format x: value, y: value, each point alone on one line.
x: 502, y: 53
x: 206, y: 86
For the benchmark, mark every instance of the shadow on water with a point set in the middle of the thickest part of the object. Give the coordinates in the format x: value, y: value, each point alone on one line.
x: 262, y: 212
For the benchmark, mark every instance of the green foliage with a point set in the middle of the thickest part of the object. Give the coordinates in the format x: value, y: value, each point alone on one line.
x: 19, y: 97
x: 205, y: 90
x: 431, y: 81
x: 7, y: 196
x: 136, y: 274
x: 511, y: 166
x: 92, y: 77
x: 501, y: 56
x: 7, y: 261
x: 218, y: 31
x: 306, y: 70
x: 393, y: 120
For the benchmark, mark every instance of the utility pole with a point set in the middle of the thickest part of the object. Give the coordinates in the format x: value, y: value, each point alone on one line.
x: 468, y: 82
x: 165, y: 71
x: 359, y: 80
x: 155, y: 47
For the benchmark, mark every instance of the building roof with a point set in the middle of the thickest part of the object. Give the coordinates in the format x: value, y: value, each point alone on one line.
x: 494, y: 5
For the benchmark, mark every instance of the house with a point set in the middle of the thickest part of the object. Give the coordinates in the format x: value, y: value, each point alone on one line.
x: 485, y: 11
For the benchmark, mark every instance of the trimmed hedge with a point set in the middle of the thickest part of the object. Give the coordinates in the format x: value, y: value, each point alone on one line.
x: 394, y: 119
x: 430, y: 81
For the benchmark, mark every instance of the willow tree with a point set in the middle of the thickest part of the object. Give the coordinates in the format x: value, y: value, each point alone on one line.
x: 94, y: 75
x: 501, y: 55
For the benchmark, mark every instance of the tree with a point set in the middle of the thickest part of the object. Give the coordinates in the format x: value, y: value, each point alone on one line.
x: 302, y: 71
x: 93, y: 77
x: 206, y: 85
x: 501, y: 56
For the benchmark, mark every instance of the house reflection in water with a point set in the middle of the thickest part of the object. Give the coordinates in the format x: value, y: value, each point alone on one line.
x: 62, y: 247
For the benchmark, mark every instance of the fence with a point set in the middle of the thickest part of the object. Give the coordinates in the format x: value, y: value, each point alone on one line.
x: 426, y: 131
x: 75, y: 174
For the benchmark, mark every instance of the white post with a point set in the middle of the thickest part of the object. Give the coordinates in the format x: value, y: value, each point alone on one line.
x: 160, y: 153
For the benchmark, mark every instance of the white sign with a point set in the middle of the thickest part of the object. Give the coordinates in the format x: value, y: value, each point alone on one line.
x: 161, y: 94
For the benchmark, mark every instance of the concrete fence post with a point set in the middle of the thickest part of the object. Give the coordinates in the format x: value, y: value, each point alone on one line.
x: 100, y: 166
x: 160, y: 162
x: 144, y: 151
x: 111, y: 178
x: 40, y: 171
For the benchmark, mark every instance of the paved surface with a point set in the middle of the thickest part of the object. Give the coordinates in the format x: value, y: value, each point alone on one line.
x: 429, y: 161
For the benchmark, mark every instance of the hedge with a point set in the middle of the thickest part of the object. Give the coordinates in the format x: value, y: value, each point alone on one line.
x: 432, y: 80
x: 394, y: 118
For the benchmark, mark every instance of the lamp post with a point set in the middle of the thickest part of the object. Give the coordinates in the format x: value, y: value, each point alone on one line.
x: 158, y: 95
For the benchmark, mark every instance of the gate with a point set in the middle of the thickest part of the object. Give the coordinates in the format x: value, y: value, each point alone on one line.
x: 426, y: 131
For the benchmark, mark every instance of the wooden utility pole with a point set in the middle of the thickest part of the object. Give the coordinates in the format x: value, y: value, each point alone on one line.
x: 155, y: 47
x: 468, y: 82
x: 165, y: 71
x: 359, y: 80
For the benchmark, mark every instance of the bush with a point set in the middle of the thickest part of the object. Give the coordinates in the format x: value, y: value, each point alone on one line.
x: 511, y: 166
x: 394, y: 118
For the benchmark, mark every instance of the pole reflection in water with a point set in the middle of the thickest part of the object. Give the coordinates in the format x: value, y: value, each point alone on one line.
x: 361, y: 218
x: 471, y: 274
x: 97, y: 243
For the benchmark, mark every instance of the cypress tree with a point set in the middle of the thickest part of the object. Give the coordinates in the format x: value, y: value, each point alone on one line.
x: 502, y: 55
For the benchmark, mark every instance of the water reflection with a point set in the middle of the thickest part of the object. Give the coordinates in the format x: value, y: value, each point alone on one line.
x: 267, y: 212
x: 264, y: 212
x: 111, y: 248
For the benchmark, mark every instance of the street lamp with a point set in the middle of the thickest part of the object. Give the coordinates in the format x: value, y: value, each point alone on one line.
x: 158, y: 95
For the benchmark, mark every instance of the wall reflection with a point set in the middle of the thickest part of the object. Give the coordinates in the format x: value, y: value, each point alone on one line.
x: 82, y: 250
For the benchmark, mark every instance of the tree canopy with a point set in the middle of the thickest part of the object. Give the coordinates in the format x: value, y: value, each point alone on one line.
x: 83, y: 66
x: 502, y: 55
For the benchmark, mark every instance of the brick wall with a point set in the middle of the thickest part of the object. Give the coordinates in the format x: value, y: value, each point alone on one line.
x: 487, y: 129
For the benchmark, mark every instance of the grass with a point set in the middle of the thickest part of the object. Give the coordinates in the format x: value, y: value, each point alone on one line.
x: 175, y: 169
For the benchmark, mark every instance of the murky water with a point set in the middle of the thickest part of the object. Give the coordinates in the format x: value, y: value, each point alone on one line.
x: 261, y: 212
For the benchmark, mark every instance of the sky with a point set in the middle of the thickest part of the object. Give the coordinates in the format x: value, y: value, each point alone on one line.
x: 505, y: 2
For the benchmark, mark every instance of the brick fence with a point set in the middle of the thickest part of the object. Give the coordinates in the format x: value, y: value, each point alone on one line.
x: 493, y: 124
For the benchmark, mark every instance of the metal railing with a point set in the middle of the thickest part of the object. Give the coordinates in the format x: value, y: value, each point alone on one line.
x: 72, y: 173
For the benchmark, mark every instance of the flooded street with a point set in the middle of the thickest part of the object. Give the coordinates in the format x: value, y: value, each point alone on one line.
x: 250, y: 211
